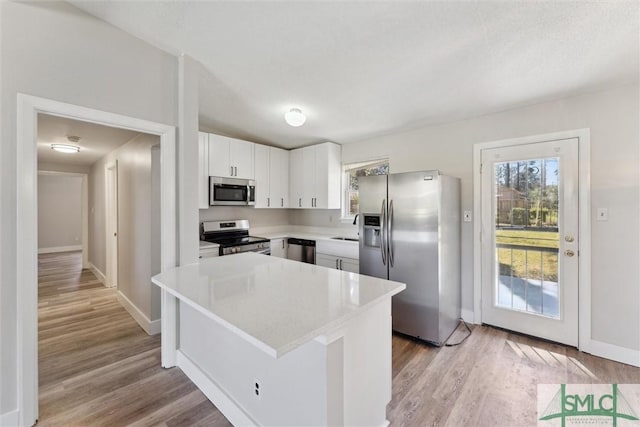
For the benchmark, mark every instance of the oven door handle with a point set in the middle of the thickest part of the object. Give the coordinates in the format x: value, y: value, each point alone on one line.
x: 264, y: 251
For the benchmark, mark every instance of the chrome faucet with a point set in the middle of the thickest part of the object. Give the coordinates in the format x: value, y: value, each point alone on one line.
x: 355, y: 219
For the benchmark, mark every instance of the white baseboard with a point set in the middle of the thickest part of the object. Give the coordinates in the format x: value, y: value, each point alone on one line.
x: 59, y: 249
x: 614, y: 352
x: 151, y: 327
x: 10, y: 419
x: 214, y: 393
x: 468, y: 316
x: 99, y: 274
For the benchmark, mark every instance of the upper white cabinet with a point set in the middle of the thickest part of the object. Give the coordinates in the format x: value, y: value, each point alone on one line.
x: 230, y: 158
x: 272, y: 177
x: 203, y: 170
x: 314, y: 177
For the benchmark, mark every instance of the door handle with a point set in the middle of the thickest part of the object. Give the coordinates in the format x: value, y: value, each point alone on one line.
x: 569, y: 238
x: 382, y: 232
x: 569, y: 253
x: 390, y: 231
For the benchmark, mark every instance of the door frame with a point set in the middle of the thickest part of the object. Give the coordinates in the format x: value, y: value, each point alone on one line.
x: 584, y: 223
x: 27, y: 221
x: 85, y: 209
x: 111, y: 217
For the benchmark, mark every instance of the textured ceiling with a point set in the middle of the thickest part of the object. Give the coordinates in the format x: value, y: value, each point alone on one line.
x: 96, y: 141
x: 360, y: 69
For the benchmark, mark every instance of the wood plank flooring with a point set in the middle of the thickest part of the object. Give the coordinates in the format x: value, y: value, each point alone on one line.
x: 97, y: 367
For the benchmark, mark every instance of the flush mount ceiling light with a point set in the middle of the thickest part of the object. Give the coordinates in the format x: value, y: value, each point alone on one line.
x: 294, y: 117
x: 67, y: 148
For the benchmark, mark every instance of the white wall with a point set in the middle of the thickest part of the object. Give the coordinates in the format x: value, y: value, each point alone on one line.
x: 59, y: 211
x: 55, y: 51
x: 135, y: 224
x: 256, y: 217
x: 613, y: 117
x: 62, y: 167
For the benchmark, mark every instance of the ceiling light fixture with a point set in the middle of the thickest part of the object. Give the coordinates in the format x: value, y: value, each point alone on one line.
x: 65, y: 148
x: 294, y: 117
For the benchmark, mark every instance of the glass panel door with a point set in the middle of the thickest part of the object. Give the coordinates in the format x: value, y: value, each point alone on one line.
x: 526, y: 235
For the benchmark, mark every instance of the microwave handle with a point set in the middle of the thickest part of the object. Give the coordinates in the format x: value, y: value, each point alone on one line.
x: 248, y: 194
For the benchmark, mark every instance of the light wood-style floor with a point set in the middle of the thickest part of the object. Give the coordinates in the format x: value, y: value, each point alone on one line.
x: 97, y: 367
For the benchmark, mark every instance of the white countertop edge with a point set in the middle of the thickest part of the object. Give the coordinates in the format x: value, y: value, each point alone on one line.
x: 279, y: 352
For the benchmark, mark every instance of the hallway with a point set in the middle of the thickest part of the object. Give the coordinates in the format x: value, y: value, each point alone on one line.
x: 96, y: 365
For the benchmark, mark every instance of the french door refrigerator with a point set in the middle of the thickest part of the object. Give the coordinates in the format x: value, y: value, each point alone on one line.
x: 410, y: 232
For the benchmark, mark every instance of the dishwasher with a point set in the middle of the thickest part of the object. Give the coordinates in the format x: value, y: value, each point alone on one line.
x: 302, y: 250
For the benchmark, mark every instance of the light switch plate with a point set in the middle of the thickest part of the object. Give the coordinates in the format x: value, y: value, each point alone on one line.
x: 466, y: 216
x: 602, y: 214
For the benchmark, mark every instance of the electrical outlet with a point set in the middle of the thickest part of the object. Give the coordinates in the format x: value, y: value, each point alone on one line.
x: 466, y: 216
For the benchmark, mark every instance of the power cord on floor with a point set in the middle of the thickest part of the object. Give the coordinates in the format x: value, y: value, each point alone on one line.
x: 463, y: 339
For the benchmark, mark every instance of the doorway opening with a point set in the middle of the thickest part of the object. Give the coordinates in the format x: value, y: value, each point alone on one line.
x: 31, y: 112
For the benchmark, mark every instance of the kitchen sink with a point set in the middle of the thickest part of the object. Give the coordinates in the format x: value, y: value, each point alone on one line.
x: 349, y: 239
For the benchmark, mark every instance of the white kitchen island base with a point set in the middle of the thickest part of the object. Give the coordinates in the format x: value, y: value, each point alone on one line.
x: 338, y: 379
x: 259, y: 365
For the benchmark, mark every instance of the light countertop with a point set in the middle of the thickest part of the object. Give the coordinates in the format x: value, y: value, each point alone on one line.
x: 277, y: 304
x: 323, y: 238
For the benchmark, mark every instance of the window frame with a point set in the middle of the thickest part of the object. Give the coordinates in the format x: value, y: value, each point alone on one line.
x: 346, y: 167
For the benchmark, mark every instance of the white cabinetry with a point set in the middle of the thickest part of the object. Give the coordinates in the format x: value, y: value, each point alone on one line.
x: 315, y: 177
x: 230, y: 158
x: 338, y: 263
x: 203, y: 170
x: 272, y: 177
x: 279, y: 248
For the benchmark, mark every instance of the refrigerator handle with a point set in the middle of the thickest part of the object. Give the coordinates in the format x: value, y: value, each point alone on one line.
x: 390, y: 231
x: 383, y: 246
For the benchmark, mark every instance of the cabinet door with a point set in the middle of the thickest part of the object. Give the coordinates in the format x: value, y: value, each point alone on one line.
x: 242, y: 158
x: 328, y: 171
x: 329, y: 261
x: 296, y: 178
x: 263, y: 181
x: 279, y: 177
x: 279, y: 248
x: 219, y: 150
x: 309, y: 177
x: 349, y: 264
x: 203, y: 170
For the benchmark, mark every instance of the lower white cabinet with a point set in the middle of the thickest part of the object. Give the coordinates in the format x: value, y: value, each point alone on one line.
x: 279, y: 248
x: 339, y: 263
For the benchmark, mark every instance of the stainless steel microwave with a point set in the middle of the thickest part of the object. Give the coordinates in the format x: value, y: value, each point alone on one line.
x: 231, y: 191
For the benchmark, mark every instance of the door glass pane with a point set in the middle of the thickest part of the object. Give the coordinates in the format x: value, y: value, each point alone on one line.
x: 526, y: 236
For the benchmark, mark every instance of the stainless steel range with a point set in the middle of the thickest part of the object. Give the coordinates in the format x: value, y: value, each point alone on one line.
x: 233, y: 237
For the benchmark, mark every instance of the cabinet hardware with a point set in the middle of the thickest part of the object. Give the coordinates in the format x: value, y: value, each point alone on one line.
x: 268, y: 201
x: 282, y: 202
x: 236, y: 170
x: 231, y: 171
x: 340, y: 264
x: 337, y: 268
x: 282, y: 243
x: 300, y: 203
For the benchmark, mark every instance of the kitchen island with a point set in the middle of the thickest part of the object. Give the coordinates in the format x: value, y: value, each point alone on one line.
x: 272, y: 341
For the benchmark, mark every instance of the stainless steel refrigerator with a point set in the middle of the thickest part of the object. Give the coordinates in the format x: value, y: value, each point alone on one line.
x: 409, y: 228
